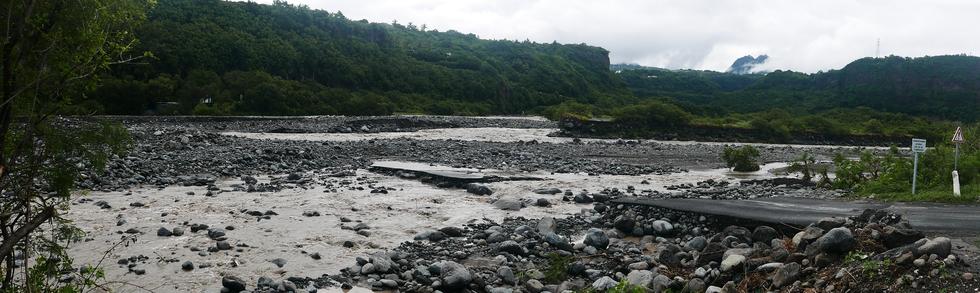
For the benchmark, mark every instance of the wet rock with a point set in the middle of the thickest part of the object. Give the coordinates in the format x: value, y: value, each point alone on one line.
x: 223, y: 245
x: 216, y: 233
x: 164, y: 232
x: 233, y: 284
x: 478, y: 189
x: 542, y: 202
x: 508, y: 204
x: 596, y: 238
x: 582, y: 198
x: 452, y: 231
x: 786, y: 275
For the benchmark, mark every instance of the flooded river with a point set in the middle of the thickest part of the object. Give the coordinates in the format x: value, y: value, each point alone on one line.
x: 408, y: 208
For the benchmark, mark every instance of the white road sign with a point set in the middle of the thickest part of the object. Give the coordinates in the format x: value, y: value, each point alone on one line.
x: 918, y: 145
x: 958, y: 135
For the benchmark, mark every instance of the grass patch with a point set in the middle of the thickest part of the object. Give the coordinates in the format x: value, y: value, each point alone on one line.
x: 969, y: 194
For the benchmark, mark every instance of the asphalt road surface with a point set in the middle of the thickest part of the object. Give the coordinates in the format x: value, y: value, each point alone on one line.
x: 929, y: 217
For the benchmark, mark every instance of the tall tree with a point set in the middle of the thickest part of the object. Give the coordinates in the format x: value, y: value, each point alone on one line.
x: 50, y: 51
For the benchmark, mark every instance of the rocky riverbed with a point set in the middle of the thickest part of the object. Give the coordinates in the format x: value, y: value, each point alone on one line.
x: 211, y: 211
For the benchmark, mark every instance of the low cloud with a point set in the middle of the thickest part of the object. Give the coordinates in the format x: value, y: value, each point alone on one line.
x: 804, y: 36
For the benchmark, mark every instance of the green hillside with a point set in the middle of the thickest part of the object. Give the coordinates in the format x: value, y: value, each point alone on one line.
x: 282, y: 59
x: 941, y: 87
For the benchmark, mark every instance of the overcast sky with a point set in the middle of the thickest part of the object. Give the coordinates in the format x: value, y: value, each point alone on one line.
x: 701, y: 34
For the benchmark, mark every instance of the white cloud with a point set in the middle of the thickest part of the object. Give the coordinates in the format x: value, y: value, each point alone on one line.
x: 802, y: 35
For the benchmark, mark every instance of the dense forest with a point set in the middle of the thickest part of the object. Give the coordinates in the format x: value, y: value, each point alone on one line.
x: 215, y: 57
x: 219, y: 57
x: 941, y: 87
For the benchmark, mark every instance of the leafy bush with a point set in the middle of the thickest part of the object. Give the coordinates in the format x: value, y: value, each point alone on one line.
x: 743, y: 159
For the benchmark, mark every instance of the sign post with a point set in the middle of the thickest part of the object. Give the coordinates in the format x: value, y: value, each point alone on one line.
x: 918, y: 146
x: 957, y: 140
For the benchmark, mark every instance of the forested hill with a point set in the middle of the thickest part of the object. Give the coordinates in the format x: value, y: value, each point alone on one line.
x: 944, y: 87
x: 281, y: 59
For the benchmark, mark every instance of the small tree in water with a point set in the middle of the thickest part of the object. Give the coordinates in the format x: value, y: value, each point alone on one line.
x: 742, y: 159
x: 50, y: 53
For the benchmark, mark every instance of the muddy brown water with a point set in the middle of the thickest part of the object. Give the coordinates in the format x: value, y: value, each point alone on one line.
x: 410, y: 207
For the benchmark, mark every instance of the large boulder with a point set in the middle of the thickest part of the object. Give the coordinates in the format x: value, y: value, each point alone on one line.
x: 454, y: 276
x: 596, y: 238
x: 837, y: 241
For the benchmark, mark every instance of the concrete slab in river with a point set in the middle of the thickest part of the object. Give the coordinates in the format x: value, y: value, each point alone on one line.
x: 458, y: 174
x: 930, y: 217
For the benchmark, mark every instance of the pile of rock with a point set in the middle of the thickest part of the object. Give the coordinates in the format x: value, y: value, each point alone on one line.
x: 659, y: 250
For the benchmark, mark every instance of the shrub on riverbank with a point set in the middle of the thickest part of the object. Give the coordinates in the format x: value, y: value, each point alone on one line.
x: 743, y: 159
